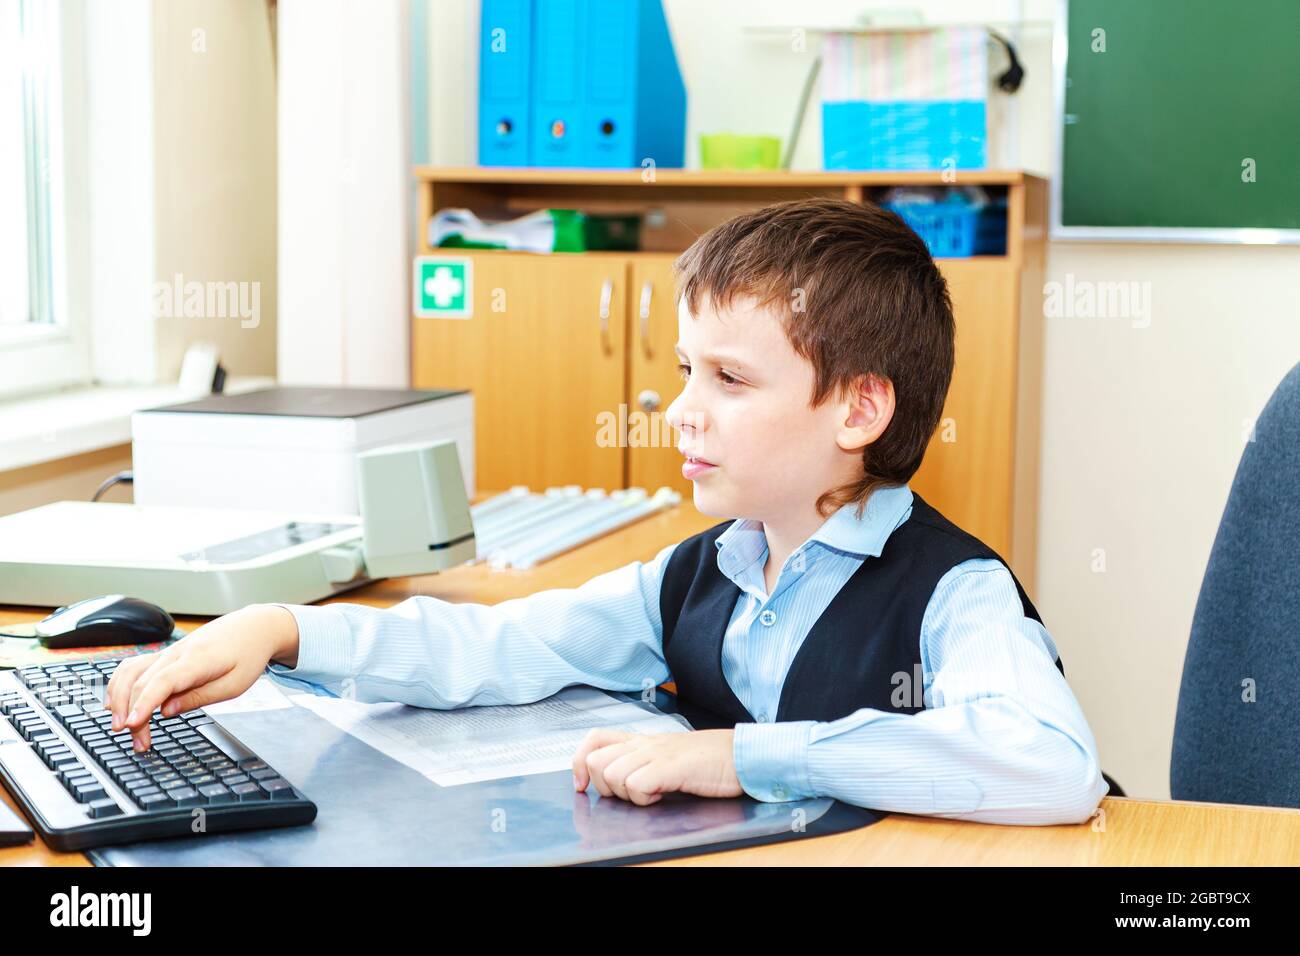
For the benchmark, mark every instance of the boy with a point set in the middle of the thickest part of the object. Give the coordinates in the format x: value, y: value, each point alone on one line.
x: 816, y: 347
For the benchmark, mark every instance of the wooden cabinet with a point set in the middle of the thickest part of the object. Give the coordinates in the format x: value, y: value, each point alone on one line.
x: 570, y: 356
x: 653, y: 378
x: 544, y: 353
x: 967, y: 472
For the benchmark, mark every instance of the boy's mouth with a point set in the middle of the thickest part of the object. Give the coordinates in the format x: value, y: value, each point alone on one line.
x: 694, y: 467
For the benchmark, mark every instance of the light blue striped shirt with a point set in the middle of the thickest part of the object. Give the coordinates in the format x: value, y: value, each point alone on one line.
x: 1002, y: 738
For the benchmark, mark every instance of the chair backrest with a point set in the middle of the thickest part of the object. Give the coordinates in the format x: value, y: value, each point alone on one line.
x: 1237, y: 735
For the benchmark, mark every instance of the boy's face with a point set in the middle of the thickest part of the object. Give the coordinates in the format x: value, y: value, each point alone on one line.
x: 744, y: 408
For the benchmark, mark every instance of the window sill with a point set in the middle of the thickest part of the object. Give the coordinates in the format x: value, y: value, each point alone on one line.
x: 43, y: 428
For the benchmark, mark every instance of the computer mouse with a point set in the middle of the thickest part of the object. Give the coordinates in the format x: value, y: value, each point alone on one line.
x: 111, y: 619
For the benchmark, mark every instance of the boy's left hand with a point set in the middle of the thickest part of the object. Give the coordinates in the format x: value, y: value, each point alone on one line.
x: 643, y: 767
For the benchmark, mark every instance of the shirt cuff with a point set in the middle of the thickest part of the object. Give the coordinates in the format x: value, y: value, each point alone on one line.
x: 324, y: 644
x: 772, y: 760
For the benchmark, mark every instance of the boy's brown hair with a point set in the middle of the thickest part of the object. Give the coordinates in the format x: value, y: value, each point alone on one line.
x: 858, y: 294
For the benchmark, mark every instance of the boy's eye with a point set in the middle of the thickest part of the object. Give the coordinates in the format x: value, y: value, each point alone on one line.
x: 685, y: 372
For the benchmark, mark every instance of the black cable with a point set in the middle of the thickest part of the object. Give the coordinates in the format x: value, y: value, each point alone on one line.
x: 1009, y: 81
x: 122, y: 477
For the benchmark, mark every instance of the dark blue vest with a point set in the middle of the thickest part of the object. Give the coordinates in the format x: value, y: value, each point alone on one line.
x: 864, y: 650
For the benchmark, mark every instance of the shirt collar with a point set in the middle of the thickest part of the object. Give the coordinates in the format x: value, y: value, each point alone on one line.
x: 743, y: 542
x: 885, y: 511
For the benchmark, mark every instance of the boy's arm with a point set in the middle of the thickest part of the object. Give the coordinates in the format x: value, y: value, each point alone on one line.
x: 432, y: 653
x: 1002, y: 740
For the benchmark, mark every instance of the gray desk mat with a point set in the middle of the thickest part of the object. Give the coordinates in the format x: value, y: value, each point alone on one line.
x: 375, y: 811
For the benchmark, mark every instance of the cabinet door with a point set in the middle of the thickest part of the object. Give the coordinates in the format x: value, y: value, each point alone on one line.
x: 544, y: 354
x: 968, y: 469
x: 653, y: 379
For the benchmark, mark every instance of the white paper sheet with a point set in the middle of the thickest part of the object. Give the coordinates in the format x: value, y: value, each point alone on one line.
x: 263, y: 695
x: 452, y: 747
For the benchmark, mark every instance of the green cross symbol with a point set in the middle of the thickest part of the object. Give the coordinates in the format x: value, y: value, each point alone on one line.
x: 443, y: 287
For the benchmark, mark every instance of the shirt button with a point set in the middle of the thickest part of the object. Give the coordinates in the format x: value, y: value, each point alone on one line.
x: 762, y: 718
x: 767, y: 618
x: 779, y: 793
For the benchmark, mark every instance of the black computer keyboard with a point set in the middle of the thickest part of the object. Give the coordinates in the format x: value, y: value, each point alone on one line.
x: 82, y: 785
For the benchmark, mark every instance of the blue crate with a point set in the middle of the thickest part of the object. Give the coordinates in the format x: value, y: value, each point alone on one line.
x: 904, y: 134
x: 955, y: 229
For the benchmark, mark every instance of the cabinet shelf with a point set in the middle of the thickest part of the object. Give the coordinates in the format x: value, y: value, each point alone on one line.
x: 685, y: 202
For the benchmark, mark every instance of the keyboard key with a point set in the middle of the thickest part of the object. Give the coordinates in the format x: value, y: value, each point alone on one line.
x: 225, y: 743
x: 86, y: 792
x: 153, y: 800
x: 277, y: 788
x: 248, y: 792
x: 106, y: 807
x: 63, y: 762
x: 217, y: 794
x: 71, y: 784
x: 187, y: 797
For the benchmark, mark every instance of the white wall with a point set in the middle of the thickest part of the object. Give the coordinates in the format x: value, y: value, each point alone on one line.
x: 171, y: 172
x: 344, y: 315
x: 1142, y: 427
x: 214, y: 102
x: 118, y: 89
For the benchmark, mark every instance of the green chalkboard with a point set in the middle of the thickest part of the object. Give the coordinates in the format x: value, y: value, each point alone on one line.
x: 1169, y: 108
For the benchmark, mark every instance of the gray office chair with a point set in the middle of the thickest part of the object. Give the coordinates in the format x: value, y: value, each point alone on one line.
x: 1246, y: 632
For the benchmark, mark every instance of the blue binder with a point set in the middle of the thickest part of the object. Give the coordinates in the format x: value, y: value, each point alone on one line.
x: 505, y: 62
x: 605, y: 88
x: 557, y: 84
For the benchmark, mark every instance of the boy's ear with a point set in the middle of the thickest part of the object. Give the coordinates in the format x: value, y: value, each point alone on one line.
x: 867, y: 410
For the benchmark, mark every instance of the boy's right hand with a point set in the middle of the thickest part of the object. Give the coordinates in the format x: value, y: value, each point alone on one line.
x: 215, y: 662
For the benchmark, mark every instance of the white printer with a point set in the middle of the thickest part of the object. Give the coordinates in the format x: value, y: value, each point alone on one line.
x: 289, y: 449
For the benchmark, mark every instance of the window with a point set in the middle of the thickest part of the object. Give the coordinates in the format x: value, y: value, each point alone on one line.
x: 42, y: 345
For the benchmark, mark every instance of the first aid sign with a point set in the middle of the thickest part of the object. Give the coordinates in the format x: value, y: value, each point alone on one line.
x: 444, y: 287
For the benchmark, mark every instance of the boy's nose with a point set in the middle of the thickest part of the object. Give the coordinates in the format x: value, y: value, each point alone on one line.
x: 679, y: 416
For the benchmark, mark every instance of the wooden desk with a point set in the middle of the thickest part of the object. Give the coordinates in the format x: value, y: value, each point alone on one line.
x: 1131, y: 832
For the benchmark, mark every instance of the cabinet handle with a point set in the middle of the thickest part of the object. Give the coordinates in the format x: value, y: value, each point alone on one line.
x: 606, y: 295
x: 647, y: 291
